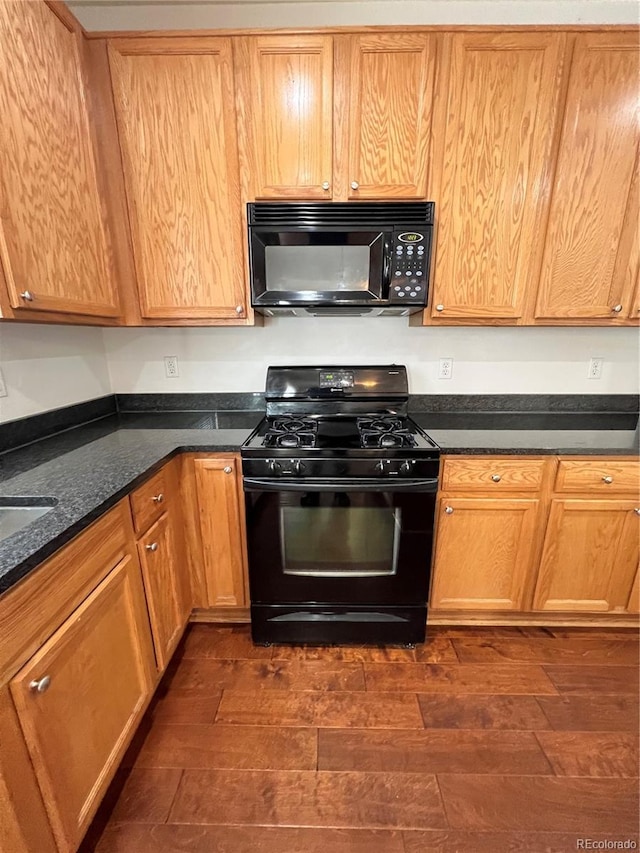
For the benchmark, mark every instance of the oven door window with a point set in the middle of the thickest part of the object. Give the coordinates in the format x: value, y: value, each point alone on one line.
x: 303, y: 266
x: 339, y: 540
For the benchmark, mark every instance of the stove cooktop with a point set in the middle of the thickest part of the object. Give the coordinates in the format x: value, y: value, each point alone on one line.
x: 386, y: 433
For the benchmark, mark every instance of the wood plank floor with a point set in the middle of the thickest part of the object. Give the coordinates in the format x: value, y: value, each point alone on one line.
x: 483, y: 739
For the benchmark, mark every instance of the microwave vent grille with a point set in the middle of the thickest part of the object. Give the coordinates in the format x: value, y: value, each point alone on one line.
x: 361, y: 214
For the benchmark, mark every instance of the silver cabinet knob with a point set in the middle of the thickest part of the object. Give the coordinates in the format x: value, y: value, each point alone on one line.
x: 27, y: 296
x: 448, y: 510
x: 325, y: 185
x: 637, y: 510
x: 496, y: 478
x: 227, y: 469
x: 439, y: 307
x: 158, y: 499
x: 354, y: 185
x: 239, y: 309
x: 152, y: 547
x: 617, y: 309
x: 607, y: 479
x: 40, y: 685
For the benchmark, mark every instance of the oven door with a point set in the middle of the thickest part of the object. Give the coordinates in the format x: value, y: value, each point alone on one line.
x: 347, y: 543
x: 316, y: 268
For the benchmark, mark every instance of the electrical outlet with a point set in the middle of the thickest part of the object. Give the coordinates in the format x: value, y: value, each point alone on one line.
x: 595, y: 368
x: 445, y: 370
x: 3, y: 387
x: 171, y: 366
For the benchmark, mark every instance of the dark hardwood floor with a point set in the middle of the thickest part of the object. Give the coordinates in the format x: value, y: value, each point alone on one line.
x: 484, y: 740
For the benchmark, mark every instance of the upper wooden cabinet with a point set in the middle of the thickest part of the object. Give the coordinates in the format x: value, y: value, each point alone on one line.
x: 591, y: 255
x: 285, y: 92
x: 54, y: 247
x: 497, y: 104
x: 174, y: 100
x: 342, y: 117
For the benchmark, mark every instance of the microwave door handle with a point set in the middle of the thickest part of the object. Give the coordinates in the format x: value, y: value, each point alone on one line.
x: 386, y: 271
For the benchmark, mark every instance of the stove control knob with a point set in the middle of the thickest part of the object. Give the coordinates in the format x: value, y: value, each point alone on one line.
x: 274, y: 467
x: 298, y: 468
x: 407, y: 466
x: 380, y: 466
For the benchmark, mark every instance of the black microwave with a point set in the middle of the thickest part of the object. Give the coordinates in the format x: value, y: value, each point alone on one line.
x: 339, y: 259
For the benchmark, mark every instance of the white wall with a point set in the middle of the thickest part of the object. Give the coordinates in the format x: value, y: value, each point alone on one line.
x: 217, y: 14
x: 46, y: 367
x: 486, y: 360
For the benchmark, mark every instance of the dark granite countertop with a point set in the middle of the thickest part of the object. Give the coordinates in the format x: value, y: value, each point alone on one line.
x: 89, y: 468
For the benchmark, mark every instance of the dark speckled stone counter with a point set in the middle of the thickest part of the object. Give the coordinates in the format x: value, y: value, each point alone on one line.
x: 87, y: 470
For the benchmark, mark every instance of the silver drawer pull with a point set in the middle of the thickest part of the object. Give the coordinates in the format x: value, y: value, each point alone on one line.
x: 607, y: 479
x: 27, y: 296
x: 227, y: 469
x: 637, y: 510
x: 439, y: 307
x: 448, y: 510
x: 354, y: 185
x: 152, y: 547
x: 158, y: 498
x: 239, y: 309
x: 496, y: 478
x: 617, y: 309
x: 325, y: 185
x: 40, y: 685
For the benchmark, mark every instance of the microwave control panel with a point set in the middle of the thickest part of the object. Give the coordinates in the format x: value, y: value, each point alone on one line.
x: 409, y: 267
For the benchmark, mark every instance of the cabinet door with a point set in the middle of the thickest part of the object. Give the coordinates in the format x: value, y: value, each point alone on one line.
x: 54, y: 247
x: 165, y: 583
x: 590, y: 556
x: 218, y: 494
x: 591, y: 254
x: 493, y: 137
x: 389, y: 83
x: 78, y: 722
x: 176, y: 120
x: 484, y: 553
x: 285, y: 91
x: 633, y: 605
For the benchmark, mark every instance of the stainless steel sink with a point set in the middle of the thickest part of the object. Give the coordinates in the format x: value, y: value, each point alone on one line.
x: 16, y: 513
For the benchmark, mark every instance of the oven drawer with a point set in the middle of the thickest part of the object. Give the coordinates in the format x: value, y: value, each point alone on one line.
x: 602, y: 476
x: 492, y: 474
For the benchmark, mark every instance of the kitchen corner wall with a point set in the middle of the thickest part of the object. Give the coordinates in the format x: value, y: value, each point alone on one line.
x: 46, y: 367
x: 485, y: 360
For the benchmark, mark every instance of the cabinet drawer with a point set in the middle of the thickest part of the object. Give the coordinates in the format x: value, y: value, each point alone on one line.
x: 494, y: 474
x: 600, y: 475
x: 150, y: 500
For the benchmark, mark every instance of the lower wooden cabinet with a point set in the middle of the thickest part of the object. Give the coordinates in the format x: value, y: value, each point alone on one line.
x: 554, y: 534
x: 218, y: 489
x: 157, y: 517
x: 590, y: 556
x: 77, y: 671
x: 166, y: 585
x: 485, y: 553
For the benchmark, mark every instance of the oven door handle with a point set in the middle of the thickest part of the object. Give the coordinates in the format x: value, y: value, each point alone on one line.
x: 347, y: 485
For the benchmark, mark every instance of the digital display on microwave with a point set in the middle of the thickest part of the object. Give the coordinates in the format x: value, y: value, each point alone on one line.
x: 317, y: 268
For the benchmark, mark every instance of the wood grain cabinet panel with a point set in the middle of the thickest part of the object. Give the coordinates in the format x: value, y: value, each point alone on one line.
x: 493, y: 139
x: 598, y: 476
x: 174, y: 100
x: 54, y: 247
x: 484, y: 553
x: 487, y: 475
x: 166, y: 586
x: 218, y: 494
x: 590, y: 556
x: 99, y: 665
x: 285, y: 91
x: 389, y: 80
x: 633, y: 605
x: 591, y: 254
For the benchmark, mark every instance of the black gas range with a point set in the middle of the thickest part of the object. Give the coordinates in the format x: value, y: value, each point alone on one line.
x: 340, y: 489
